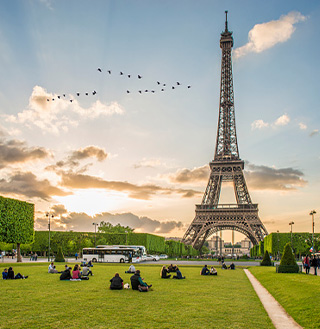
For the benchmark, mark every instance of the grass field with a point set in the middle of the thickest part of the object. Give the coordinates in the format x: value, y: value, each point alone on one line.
x: 299, y: 293
x: 43, y: 301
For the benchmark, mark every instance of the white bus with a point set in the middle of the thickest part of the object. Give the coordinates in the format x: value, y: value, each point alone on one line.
x: 108, y: 254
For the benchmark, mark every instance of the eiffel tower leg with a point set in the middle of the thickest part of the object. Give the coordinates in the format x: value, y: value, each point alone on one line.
x: 240, y: 189
x: 212, y: 192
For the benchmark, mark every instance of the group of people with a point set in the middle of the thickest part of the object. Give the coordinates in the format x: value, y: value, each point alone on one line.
x: 206, y: 271
x: 313, y: 262
x: 164, y: 273
x: 77, y: 273
x: 137, y: 283
x: 8, y: 274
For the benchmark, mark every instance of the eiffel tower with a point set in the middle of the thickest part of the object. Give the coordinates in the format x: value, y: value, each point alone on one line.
x: 227, y: 166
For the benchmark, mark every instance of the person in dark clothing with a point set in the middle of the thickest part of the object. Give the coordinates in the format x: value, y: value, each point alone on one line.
x: 314, y: 264
x: 138, y: 284
x: 172, y: 268
x: 11, y: 275
x: 224, y: 266
x: 164, y: 273
x: 116, y: 282
x: 178, y: 275
x: 306, y: 264
x: 232, y: 266
x: 5, y: 274
x: 205, y: 270
x: 66, y: 275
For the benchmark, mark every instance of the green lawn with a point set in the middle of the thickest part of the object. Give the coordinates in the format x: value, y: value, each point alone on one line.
x: 43, y: 301
x: 299, y: 294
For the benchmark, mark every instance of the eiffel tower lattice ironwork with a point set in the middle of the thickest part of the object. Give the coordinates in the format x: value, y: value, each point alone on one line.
x: 227, y: 166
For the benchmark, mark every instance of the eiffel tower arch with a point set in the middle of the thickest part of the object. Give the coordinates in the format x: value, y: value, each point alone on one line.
x: 211, y: 216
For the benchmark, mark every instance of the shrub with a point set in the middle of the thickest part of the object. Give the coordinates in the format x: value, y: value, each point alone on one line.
x: 266, y: 259
x: 288, y: 263
x: 60, y: 257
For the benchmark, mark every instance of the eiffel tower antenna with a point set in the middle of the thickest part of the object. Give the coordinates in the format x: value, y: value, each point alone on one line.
x: 211, y: 216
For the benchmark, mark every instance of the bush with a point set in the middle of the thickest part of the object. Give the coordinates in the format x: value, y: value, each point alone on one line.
x: 266, y: 259
x: 288, y: 263
x: 60, y: 257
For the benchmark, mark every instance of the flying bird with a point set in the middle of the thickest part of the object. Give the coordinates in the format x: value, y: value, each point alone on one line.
x: 152, y: 91
x: 87, y: 94
x: 158, y: 82
x: 78, y: 94
x: 162, y: 89
x: 128, y: 92
x: 109, y: 71
x: 64, y: 95
x: 178, y: 84
x: 139, y: 76
x: 99, y: 69
x: 140, y: 91
x: 47, y: 100
x: 173, y: 87
x: 146, y: 91
x: 70, y: 100
x: 129, y: 76
x: 164, y: 85
x: 94, y: 92
x: 58, y: 97
x: 121, y: 73
x: 53, y: 99
x: 189, y: 86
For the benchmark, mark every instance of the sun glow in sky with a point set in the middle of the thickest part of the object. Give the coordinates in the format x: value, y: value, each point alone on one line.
x: 131, y: 142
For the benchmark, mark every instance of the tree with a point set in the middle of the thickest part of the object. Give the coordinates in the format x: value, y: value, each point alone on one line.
x: 16, y: 222
x: 106, y: 227
x: 288, y: 263
x: 266, y: 259
x: 60, y: 257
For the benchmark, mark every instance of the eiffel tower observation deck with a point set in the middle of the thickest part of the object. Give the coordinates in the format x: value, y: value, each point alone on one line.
x: 211, y: 216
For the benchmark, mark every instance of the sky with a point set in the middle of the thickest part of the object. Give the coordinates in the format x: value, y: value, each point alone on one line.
x: 132, y: 146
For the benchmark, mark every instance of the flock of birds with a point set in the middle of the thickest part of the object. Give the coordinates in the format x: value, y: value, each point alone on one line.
x: 162, y: 87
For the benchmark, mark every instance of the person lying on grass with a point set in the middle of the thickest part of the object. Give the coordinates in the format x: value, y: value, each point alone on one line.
x: 116, y: 282
x: 11, y: 275
x: 164, y: 273
x: 138, y: 284
x: 178, y: 275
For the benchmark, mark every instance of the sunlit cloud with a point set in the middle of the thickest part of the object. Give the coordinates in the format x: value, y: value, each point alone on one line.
x: 15, y: 151
x: 266, y: 35
x: 314, y: 132
x: 194, y: 175
x: 51, y: 114
x: 269, y: 178
x: 26, y: 184
x: 259, y: 124
x: 150, y: 163
x: 282, y: 121
x: 302, y: 126
x: 83, y: 222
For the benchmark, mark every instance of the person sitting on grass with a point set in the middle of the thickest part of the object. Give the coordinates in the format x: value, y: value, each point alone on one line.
x: 116, y: 282
x: 52, y: 268
x: 90, y: 263
x: 164, y: 273
x: 132, y: 269
x: 213, y: 271
x: 224, y: 266
x: 205, y: 270
x: 138, y: 284
x: 76, y: 274
x: 5, y: 274
x: 66, y: 275
x: 86, y: 271
x: 172, y: 268
x: 178, y: 275
x: 232, y: 266
x: 11, y: 275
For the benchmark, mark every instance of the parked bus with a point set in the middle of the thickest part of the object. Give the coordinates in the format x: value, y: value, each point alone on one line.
x: 114, y: 253
x: 108, y: 254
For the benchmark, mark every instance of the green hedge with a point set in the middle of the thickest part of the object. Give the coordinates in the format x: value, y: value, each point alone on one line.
x: 287, y: 269
x: 266, y: 260
x: 16, y: 221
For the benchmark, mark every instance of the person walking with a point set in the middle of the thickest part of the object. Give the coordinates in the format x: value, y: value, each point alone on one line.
x: 306, y: 264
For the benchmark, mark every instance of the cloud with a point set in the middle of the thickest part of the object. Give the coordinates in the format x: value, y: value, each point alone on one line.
x: 58, y: 210
x: 190, y: 176
x: 314, y: 132
x: 302, y: 126
x: 266, y: 35
x: 27, y: 184
x: 267, y: 178
x: 282, y: 121
x: 83, y: 222
x: 58, y: 115
x: 14, y: 151
x: 259, y: 124
x: 89, y: 152
x: 144, y: 192
x: 149, y: 163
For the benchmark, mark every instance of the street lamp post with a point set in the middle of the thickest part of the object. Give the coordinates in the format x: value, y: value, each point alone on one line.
x: 95, y: 233
x: 49, y: 227
x: 126, y: 237
x: 312, y: 212
x: 291, y: 223
x: 278, y: 245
